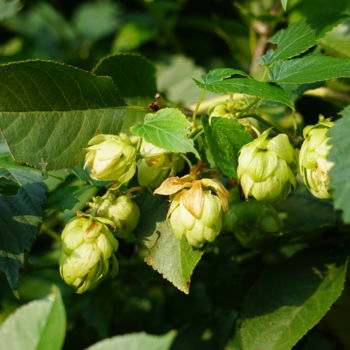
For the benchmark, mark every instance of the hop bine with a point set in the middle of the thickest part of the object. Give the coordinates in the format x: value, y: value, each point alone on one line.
x: 120, y: 210
x: 313, y: 163
x: 111, y: 158
x: 156, y: 165
x: 197, y: 207
x: 87, y: 254
x: 267, y: 167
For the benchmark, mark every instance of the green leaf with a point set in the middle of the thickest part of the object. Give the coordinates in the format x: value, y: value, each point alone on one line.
x: 39, y: 325
x: 309, y: 69
x: 175, y: 260
x: 95, y: 20
x: 248, y: 86
x: 20, y: 217
x: 290, y: 299
x: 57, y: 109
x: 225, y: 138
x: 339, y: 154
x: 166, y: 129
x: 133, y: 74
x: 9, y: 185
x: 136, y: 341
x: 284, y: 4
x: 218, y: 74
x: 9, y: 8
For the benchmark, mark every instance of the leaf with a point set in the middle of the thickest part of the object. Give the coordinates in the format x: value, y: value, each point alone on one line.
x: 175, y: 260
x: 225, y: 138
x: 175, y: 79
x: 309, y: 69
x: 290, y: 299
x: 339, y: 154
x: 284, y: 4
x: 49, y: 111
x: 248, y: 86
x: 20, y: 217
x: 9, y: 184
x: 9, y: 8
x: 136, y: 341
x: 133, y: 74
x: 95, y: 20
x: 166, y: 129
x: 219, y: 74
x: 39, y: 325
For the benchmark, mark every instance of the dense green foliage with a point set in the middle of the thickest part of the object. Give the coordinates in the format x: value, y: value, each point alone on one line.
x: 222, y: 88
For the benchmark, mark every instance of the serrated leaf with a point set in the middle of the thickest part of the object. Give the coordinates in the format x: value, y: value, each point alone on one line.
x: 39, y: 325
x: 339, y: 154
x: 19, y: 219
x: 166, y: 129
x: 309, y: 69
x: 49, y: 111
x: 302, y: 35
x: 133, y: 74
x: 248, y: 86
x: 136, y: 341
x: 175, y: 260
x: 225, y: 138
x: 291, y: 298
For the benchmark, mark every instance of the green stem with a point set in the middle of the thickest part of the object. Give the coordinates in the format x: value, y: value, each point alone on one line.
x: 186, y: 160
x: 262, y: 120
x: 251, y: 105
x: 201, y: 96
x: 46, y: 229
x: 138, y: 108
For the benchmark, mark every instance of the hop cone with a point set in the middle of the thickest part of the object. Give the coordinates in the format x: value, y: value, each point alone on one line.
x: 156, y: 165
x: 87, y: 254
x: 121, y: 210
x: 252, y: 222
x: 111, y: 158
x: 197, y: 208
x: 266, y: 168
x: 313, y: 163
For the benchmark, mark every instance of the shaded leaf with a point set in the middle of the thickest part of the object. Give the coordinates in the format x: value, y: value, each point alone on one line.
x: 288, y: 300
x: 175, y: 260
x: 20, y: 217
x: 136, y: 341
x: 49, y: 111
x: 225, y: 138
x: 39, y: 325
x: 133, y: 74
x: 339, y: 154
x: 166, y: 129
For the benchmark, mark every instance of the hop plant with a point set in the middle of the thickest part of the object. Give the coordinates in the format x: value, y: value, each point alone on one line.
x: 111, y: 158
x: 121, y: 210
x: 252, y: 222
x: 313, y: 163
x: 197, y: 207
x: 87, y: 254
x: 266, y: 167
x: 156, y: 165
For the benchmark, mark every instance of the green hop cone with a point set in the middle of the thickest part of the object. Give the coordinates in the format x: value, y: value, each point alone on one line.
x: 87, y: 254
x: 121, y: 210
x: 197, y: 208
x: 156, y: 165
x: 111, y: 158
x: 266, y: 168
x: 253, y: 222
x: 313, y: 163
